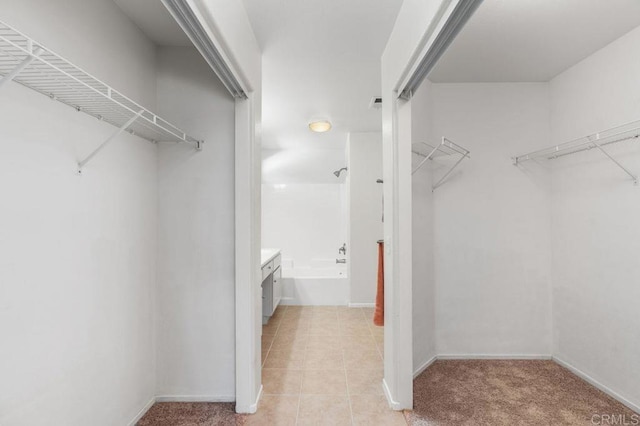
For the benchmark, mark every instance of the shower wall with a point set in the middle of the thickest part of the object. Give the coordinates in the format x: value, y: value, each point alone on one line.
x: 307, y: 221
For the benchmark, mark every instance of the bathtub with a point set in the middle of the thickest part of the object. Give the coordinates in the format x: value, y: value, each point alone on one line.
x: 324, y: 285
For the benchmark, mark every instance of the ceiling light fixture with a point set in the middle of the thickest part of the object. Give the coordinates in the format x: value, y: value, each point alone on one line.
x: 320, y: 126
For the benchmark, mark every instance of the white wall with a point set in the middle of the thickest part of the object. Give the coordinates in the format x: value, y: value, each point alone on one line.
x: 228, y: 25
x: 492, y: 223
x: 595, y: 210
x: 196, y: 249
x: 307, y: 222
x: 303, y: 165
x: 77, y: 254
x: 364, y: 153
x: 94, y: 35
x: 415, y: 24
x: 424, y: 288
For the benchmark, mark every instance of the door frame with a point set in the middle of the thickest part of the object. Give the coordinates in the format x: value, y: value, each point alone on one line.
x: 248, y: 300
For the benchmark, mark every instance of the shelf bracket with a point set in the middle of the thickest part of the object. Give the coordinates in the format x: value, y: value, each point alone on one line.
x: 442, y: 179
x: 634, y: 177
x: 452, y: 146
x: 20, y: 67
x: 428, y: 157
x: 117, y: 133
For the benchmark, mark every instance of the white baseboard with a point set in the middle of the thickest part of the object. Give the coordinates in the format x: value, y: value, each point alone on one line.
x: 142, y: 412
x: 362, y: 305
x: 494, y: 356
x: 195, y: 398
x: 393, y: 404
x: 252, y: 408
x: 424, y: 366
x: 597, y: 384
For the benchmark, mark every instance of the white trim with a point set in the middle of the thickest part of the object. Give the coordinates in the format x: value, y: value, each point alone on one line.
x: 426, y: 42
x: 195, y: 398
x: 251, y: 408
x: 142, y: 412
x: 494, y: 356
x: 199, y: 33
x: 254, y: 407
x: 247, y: 249
x: 597, y: 384
x: 387, y: 393
x: 424, y: 366
x: 449, y: 20
x: 450, y: 357
x: 362, y: 305
x: 396, y: 144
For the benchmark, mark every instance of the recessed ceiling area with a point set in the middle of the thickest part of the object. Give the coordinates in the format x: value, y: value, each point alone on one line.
x: 155, y: 21
x: 532, y: 40
x: 320, y: 59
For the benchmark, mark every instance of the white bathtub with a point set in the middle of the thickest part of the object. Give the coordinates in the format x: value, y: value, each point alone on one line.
x: 315, y: 285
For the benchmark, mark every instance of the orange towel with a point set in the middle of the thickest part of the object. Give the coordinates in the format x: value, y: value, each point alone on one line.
x: 378, y: 315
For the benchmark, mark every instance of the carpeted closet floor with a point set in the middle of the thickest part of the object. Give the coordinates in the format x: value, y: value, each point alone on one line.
x: 487, y: 392
x: 192, y: 414
x: 453, y: 393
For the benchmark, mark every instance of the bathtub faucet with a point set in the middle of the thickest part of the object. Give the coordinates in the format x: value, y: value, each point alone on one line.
x: 341, y: 260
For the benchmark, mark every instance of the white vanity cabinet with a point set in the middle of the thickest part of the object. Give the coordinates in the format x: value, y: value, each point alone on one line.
x: 277, y: 286
x: 271, y: 283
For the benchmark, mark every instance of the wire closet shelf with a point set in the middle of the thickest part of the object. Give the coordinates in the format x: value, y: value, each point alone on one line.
x: 27, y: 62
x: 444, y: 148
x: 626, y: 132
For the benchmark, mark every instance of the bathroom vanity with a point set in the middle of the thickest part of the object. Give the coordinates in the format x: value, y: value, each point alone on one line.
x: 271, y: 282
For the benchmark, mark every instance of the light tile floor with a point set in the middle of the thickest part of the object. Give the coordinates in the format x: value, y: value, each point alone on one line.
x: 322, y: 365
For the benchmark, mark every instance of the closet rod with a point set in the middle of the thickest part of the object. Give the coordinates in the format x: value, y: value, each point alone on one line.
x: 599, y: 140
x: 32, y: 65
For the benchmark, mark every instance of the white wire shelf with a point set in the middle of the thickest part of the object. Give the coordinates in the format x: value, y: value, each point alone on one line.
x: 598, y: 141
x: 444, y: 148
x: 27, y: 62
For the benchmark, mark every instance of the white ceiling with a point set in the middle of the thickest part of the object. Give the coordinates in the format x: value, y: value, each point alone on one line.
x: 321, y: 59
x: 533, y: 40
x: 155, y: 22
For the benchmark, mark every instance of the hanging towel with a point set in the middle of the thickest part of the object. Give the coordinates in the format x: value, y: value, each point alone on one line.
x: 378, y: 315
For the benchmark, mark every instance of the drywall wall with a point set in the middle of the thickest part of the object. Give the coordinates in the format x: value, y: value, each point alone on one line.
x: 229, y: 26
x: 364, y: 154
x: 77, y: 254
x: 415, y: 24
x: 595, y: 210
x: 424, y: 287
x: 303, y: 165
x: 196, y: 250
x: 94, y: 35
x: 307, y: 222
x: 228, y: 20
x: 492, y: 222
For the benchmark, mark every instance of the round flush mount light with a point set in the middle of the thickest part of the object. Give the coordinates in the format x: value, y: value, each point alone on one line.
x: 320, y: 126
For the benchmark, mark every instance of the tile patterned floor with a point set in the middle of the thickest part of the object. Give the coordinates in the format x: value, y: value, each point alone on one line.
x: 323, y: 365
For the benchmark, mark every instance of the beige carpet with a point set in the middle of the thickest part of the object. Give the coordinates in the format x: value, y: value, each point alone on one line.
x: 191, y: 414
x: 488, y: 392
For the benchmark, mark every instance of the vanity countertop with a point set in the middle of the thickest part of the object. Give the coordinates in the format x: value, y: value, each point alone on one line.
x: 267, y: 255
